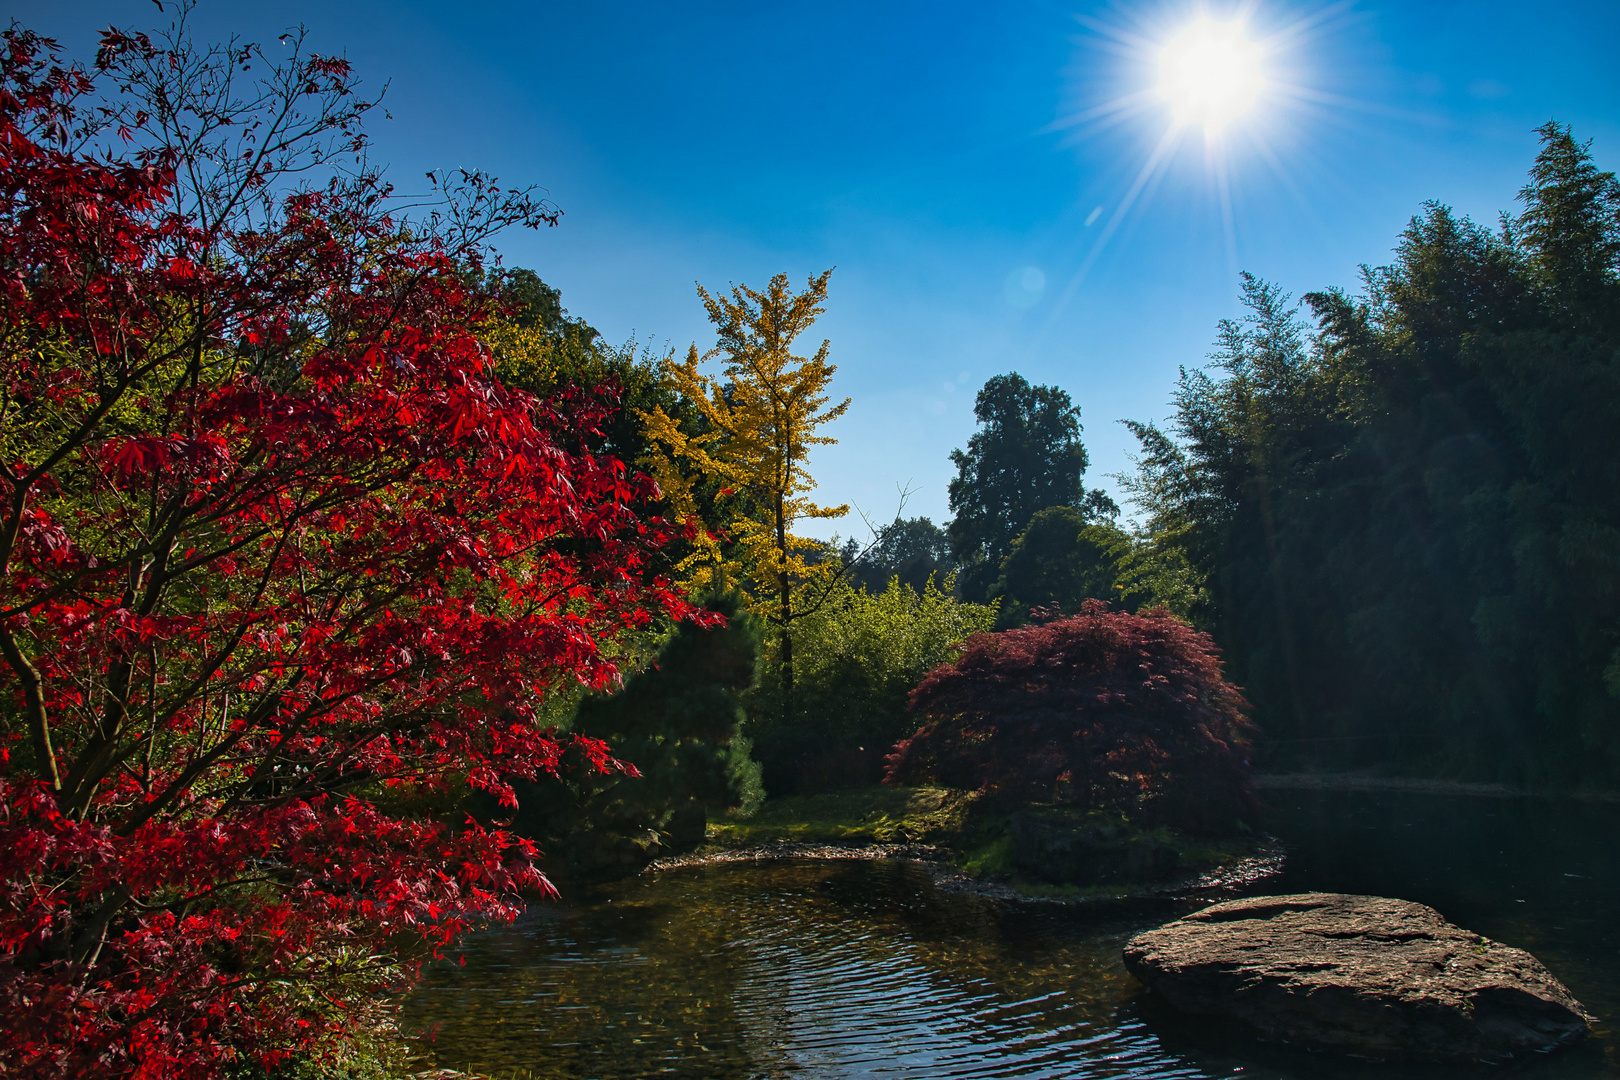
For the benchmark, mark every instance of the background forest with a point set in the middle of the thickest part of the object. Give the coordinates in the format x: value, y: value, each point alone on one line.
x: 1404, y: 517
x: 1395, y: 511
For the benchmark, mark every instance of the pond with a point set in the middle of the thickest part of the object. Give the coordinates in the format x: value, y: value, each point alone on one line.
x: 853, y: 969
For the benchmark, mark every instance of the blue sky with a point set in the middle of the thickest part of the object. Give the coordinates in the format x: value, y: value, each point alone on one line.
x: 923, y: 150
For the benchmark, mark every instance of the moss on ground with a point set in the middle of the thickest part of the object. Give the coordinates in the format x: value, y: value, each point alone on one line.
x: 1055, y: 851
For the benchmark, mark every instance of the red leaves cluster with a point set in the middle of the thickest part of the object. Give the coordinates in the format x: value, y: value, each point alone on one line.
x: 283, y: 570
x: 1106, y: 710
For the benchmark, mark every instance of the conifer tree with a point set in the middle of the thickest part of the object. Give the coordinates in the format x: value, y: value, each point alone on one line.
x: 1062, y: 559
x: 678, y: 722
x: 1404, y: 522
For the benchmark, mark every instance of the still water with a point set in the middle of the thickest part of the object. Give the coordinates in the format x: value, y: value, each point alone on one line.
x: 857, y: 969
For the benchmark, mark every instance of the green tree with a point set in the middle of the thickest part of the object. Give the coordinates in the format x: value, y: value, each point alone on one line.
x: 858, y: 657
x: 679, y: 722
x: 911, y: 549
x: 1407, y: 526
x: 535, y: 304
x: 1156, y: 572
x: 1062, y: 559
x: 1026, y: 456
x: 540, y: 348
x: 1571, y: 227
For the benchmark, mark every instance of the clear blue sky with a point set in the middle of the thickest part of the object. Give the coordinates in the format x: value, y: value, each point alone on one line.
x: 922, y: 149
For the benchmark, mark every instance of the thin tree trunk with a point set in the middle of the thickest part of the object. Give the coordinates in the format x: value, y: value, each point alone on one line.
x: 785, y: 592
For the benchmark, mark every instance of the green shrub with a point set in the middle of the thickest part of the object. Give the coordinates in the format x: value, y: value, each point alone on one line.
x: 855, y: 662
x: 679, y: 723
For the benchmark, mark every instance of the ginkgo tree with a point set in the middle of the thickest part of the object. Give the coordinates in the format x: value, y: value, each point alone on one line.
x: 758, y: 422
x: 284, y: 568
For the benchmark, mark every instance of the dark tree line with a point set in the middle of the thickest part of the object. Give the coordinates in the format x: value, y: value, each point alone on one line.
x: 1407, y: 515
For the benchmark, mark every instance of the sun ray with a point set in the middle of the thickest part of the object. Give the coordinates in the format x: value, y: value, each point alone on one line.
x: 1223, y: 189
x: 1161, y: 153
x: 1128, y: 104
x: 1239, y: 78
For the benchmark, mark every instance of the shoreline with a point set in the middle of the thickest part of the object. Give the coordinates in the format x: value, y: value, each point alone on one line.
x: 1409, y: 785
x: 1263, y: 863
x: 794, y: 849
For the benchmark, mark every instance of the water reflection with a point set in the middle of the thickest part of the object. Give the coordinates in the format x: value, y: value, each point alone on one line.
x: 855, y: 969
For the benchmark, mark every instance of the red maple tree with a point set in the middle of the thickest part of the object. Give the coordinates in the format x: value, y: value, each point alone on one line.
x: 283, y: 567
x: 1105, y: 710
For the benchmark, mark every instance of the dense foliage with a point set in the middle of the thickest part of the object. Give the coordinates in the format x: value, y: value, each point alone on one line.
x: 858, y: 657
x: 1405, y: 528
x: 911, y: 549
x: 539, y: 348
x: 1105, y: 710
x: 679, y: 722
x: 283, y: 568
x: 1062, y: 559
x: 1026, y: 456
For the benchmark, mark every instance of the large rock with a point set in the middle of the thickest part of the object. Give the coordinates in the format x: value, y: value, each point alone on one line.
x: 1358, y: 974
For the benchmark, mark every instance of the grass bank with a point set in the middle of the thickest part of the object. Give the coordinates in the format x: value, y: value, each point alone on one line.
x: 1038, y: 850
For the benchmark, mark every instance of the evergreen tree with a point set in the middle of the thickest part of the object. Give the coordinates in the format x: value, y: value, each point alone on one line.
x: 1408, y: 525
x: 911, y: 549
x: 679, y: 722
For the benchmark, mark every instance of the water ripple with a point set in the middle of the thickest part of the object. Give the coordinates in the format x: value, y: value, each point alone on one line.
x: 832, y: 970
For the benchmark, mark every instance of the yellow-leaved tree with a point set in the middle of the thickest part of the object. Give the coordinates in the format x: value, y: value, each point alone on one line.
x: 759, y: 420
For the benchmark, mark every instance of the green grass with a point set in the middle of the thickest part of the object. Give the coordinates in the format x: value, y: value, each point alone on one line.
x: 870, y: 815
x: 977, y: 835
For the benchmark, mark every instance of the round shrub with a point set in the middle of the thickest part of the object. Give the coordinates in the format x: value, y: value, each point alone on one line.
x: 1106, y: 710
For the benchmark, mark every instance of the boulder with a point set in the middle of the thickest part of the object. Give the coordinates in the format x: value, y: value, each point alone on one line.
x: 1361, y: 975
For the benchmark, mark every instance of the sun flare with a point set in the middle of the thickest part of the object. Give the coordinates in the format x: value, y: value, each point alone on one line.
x: 1210, y: 73
x: 1220, y: 90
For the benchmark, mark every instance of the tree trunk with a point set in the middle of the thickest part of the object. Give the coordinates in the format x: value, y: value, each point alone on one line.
x: 785, y: 592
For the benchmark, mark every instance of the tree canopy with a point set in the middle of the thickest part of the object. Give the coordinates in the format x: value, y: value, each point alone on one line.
x: 912, y: 549
x: 858, y: 657
x: 285, y: 569
x: 1026, y: 456
x: 678, y: 720
x: 1062, y: 559
x: 1407, y: 518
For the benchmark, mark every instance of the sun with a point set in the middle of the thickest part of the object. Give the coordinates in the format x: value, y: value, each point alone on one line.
x: 1210, y: 73
x: 1238, y: 79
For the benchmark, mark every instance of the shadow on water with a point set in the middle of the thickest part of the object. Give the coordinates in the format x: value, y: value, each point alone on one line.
x: 853, y: 969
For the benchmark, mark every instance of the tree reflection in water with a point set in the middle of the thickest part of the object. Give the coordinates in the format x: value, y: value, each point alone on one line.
x: 852, y: 969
